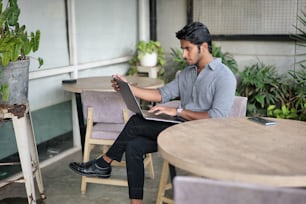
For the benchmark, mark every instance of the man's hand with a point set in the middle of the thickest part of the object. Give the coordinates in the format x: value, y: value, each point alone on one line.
x: 115, y: 84
x: 157, y: 110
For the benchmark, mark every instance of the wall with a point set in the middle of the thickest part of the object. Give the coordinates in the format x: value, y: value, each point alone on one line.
x: 172, y: 15
x: 246, y: 53
x: 48, y: 123
x: 104, y: 30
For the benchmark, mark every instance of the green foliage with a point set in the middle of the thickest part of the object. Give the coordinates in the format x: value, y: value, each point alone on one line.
x: 284, y: 112
x: 144, y: 47
x: 292, y: 93
x: 133, y: 62
x: 299, y: 77
x: 4, y: 92
x: 177, y: 58
x: 226, y: 57
x: 15, y: 43
x: 259, y: 83
x: 270, y: 94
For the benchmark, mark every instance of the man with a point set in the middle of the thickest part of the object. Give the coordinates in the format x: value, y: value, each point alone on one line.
x: 206, y: 89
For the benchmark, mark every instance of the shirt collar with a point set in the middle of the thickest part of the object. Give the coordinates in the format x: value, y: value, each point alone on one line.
x: 215, y: 63
x: 212, y: 65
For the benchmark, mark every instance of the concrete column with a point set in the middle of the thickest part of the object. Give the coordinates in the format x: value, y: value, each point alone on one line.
x: 144, y: 20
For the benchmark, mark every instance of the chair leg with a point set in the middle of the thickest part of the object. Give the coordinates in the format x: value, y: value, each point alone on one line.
x: 164, y: 185
x: 83, y: 185
x: 148, y: 164
x: 87, y: 150
x: 104, y: 148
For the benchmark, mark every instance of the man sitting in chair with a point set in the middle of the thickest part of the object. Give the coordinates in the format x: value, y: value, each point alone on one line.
x: 206, y: 89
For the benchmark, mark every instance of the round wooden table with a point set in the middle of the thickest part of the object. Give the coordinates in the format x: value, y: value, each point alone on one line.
x: 103, y: 83
x: 236, y: 149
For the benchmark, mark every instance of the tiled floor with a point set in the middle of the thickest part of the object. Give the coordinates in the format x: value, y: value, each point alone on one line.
x: 62, y: 186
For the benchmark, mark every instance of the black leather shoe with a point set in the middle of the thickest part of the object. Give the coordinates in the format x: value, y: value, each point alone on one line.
x: 91, y: 169
x: 81, y: 164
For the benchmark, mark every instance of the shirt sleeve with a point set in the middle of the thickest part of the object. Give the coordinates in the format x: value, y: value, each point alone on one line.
x: 169, y: 91
x: 225, y: 88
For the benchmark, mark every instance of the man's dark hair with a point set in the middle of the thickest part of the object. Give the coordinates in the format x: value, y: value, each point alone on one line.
x: 197, y: 33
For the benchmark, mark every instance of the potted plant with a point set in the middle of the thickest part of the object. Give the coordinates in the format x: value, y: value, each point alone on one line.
x: 148, y: 54
x: 15, y: 45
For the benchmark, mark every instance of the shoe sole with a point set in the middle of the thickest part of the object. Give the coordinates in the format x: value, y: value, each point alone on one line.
x: 90, y: 175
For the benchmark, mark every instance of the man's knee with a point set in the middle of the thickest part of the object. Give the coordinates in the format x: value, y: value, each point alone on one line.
x: 134, y: 148
x: 141, y: 146
x: 134, y: 119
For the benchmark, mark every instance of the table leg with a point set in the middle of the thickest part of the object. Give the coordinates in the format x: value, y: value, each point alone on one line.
x: 75, y: 123
x: 164, y: 185
x: 35, y: 158
x: 172, y: 172
x: 80, y: 118
x: 22, y: 140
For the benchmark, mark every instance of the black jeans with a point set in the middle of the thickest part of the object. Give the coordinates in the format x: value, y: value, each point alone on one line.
x: 138, y: 137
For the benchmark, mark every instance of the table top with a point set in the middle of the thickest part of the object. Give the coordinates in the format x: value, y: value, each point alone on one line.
x: 236, y: 149
x: 103, y: 83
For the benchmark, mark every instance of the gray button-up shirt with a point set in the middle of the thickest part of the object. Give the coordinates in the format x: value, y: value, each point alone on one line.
x: 213, y: 90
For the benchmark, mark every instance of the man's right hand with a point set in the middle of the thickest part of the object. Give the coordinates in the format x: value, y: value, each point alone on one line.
x: 114, y: 82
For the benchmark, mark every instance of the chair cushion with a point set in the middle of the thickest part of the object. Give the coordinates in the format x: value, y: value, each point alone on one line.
x: 109, y: 131
x: 108, y: 106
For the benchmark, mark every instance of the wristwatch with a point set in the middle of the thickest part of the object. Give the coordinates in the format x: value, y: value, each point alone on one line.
x: 179, y: 111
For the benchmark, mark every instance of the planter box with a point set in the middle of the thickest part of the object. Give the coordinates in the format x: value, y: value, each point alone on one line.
x: 149, y: 60
x: 16, y: 74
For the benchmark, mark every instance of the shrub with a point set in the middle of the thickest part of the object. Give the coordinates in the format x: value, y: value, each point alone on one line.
x: 259, y: 83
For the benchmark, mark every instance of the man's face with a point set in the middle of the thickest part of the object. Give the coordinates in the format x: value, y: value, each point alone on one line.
x: 191, y: 52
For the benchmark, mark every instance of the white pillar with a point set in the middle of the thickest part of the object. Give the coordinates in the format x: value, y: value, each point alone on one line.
x: 144, y: 20
x: 74, y: 75
x: 72, y: 37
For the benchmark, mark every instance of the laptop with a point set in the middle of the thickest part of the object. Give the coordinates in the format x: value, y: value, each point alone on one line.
x: 133, y: 105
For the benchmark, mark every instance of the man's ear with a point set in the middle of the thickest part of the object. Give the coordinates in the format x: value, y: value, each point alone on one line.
x: 204, y: 46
